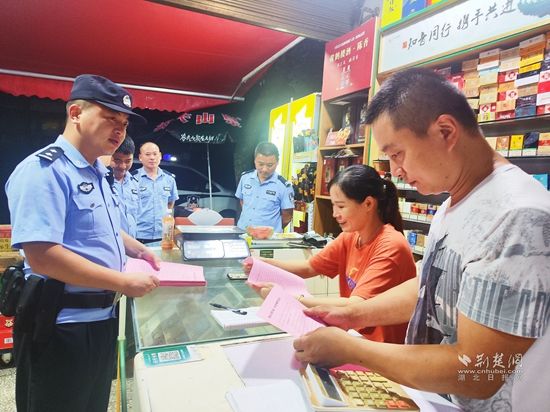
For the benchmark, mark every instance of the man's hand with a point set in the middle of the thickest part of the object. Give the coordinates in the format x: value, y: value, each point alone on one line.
x: 150, y: 257
x: 247, y: 265
x: 138, y: 284
x: 324, y: 347
x: 339, y: 316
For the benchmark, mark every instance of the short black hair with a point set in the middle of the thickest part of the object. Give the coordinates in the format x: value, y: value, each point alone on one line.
x: 416, y: 97
x: 127, y: 146
x: 266, y: 149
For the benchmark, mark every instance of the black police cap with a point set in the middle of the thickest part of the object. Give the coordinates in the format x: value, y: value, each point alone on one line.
x: 105, y: 92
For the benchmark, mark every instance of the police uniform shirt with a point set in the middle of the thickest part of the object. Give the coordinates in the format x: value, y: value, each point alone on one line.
x: 154, y: 196
x: 262, y: 202
x: 127, y: 190
x: 57, y: 196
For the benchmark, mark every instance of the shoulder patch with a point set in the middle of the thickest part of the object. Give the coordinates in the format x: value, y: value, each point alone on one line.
x: 51, y: 153
x: 283, y: 180
x: 247, y: 171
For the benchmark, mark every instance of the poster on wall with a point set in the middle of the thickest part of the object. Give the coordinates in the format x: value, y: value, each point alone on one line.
x: 463, y: 24
x: 278, y: 130
x: 348, y: 62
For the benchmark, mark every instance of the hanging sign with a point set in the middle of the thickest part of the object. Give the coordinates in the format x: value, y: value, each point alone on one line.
x: 348, y: 62
x: 463, y: 24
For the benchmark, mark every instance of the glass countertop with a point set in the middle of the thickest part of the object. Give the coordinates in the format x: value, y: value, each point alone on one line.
x: 181, y: 315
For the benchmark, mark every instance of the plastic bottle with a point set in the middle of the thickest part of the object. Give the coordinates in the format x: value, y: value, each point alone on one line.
x: 167, y: 241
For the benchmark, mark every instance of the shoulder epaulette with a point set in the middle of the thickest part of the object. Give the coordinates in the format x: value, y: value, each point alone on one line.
x: 170, y: 174
x: 51, y: 153
x: 134, y: 172
x: 133, y: 177
x: 110, y: 177
x: 247, y: 171
x: 283, y: 180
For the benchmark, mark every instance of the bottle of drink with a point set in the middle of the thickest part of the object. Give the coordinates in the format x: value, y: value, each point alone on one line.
x: 167, y: 241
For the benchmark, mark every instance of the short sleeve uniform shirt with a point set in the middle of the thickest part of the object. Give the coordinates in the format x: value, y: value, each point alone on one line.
x: 263, y: 202
x: 127, y: 190
x: 154, y: 196
x: 56, y: 196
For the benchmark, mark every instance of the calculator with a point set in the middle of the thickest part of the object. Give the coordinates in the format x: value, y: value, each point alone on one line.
x: 350, y: 389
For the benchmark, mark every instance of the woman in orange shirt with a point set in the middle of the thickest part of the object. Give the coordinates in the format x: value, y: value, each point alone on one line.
x: 371, y: 255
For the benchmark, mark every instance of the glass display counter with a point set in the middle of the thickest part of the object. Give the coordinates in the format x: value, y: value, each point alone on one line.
x: 181, y: 315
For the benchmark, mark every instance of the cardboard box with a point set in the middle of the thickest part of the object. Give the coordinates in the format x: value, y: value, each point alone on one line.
x: 526, y: 111
x: 543, y: 99
x: 543, y: 148
x: 530, y: 144
x: 516, y: 145
x: 503, y: 144
x: 543, y: 109
x: 511, y: 114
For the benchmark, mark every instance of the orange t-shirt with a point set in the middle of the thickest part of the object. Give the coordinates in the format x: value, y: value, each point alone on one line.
x: 368, y: 270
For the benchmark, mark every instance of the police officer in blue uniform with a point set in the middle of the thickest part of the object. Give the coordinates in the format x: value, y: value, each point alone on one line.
x: 157, y: 192
x: 66, y: 218
x: 126, y: 185
x: 267, y: 199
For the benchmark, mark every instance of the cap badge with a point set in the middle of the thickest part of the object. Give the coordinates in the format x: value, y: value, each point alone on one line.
x: 127, y: 102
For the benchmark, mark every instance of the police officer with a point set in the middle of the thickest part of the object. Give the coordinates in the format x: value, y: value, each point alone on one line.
x: 126, y: 185
x: 157, y: 192
x: 66, y: 219
x: 267, y: 199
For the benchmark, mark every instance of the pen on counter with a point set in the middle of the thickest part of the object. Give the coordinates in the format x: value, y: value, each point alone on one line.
x: 234, y: 310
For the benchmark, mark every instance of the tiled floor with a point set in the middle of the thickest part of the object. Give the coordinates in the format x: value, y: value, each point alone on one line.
x: 7, y: 392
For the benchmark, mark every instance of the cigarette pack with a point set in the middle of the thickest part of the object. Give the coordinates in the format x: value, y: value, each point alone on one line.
x: 504, y: 87
x: 474, y: 103
x: 507, y: 76
x: 509, y: 53
x: 511, y: 114
x: 509, y: 64
x: 543, y: 148
x: 516, y: 145
x: 526, y: 111
x: 486, y: 108
x: 530, y: 144
x: 538, y: 41
x: 492, y: 142
x: 508, y: 95
x: 503, y: 144
x: 531, y: 59
x: 527, y: 90
x: 543, y: 99
x: 543, y: 109
x: 486, y: 117
x: 505, y: 105
x: 543, y: 87
x: 471, y: 83
x: 489, y: 54
x: 524, y: 81
x: 526, y: 100
x: 529, y: 68
x: 471, y: 74
x: 544, y: 76
x: 468, y: 65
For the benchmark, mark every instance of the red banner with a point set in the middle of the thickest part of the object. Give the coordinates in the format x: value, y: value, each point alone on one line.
x: 348, y: 62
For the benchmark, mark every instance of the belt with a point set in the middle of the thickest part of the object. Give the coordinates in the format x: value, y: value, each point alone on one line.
x: 88, y: 300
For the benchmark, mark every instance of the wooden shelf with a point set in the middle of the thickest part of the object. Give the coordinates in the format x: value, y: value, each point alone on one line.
x: 331, y: 148
x: 356, y: 145
x: 425, y: 222
x: 323, y: 197
x: 517, y: 125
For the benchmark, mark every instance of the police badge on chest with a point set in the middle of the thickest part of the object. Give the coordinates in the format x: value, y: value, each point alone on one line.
x: 86, y: 187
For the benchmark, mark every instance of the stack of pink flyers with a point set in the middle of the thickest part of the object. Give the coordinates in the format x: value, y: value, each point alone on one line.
x: 170, y: 274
